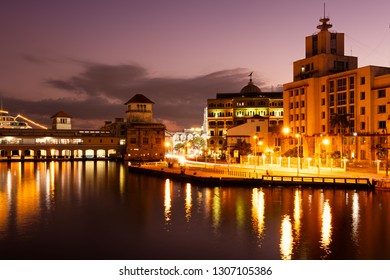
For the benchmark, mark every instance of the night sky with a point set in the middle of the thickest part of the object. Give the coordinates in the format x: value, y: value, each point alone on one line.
x: 88, y: 57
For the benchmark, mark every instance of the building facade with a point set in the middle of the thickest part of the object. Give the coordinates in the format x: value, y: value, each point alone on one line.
x: 255, y: 131
x: 229, y: 110
x: 60, y: 144
x: 136, y: 138
x: 331, y: 97
x: 61, y: 120
x: 145, y: 139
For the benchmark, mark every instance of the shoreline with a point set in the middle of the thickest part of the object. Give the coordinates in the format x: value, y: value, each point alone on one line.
x: 208, y: 179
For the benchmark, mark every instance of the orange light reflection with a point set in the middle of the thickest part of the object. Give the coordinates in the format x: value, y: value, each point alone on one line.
x: 188, y: 202
x: 286, y: 238
x: 258, y: 207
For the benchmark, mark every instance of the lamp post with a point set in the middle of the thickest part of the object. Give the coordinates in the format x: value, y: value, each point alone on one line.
x: 326, y: 143
x: 386, y: 151
x: 298, y: 155
x: 286, y: 132
x: 260, y: 143
x: 254, y: 163
x: 167, y: 146
x: 355, y: 156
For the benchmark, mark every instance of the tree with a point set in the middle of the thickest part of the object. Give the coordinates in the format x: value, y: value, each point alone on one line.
x: 243, y: 148
x: 179, y: 147
x: 198, y: 143
x: 339, y: 123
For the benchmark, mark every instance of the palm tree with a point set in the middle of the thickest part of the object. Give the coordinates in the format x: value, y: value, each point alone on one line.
x: 339, y: 123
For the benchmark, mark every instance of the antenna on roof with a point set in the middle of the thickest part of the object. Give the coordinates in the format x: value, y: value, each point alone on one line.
x: 324, y: 9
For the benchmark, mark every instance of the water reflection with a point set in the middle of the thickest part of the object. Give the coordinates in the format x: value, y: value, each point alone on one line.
x: 355, y: 218
x: 286, y: 238
x: 79, y: 206
x: 216, y: 209
x: 167, y: 202
x: 188, y: 202
x: 297, y: 212
x: 4, y: 210
x: 326, y: 228
x: 258, y: 214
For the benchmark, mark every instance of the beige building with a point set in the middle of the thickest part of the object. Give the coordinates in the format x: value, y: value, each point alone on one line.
x: 328, y: 85
x: 61, y: 120
x: 229, y: 110
x: 145, y: 139
x: 254, y: 132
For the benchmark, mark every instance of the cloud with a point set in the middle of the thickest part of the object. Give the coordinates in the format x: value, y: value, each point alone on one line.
x: 99, y: 92
x: 33, y: 58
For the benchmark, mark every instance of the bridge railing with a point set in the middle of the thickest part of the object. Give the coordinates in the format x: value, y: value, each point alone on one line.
x: 328, y: 180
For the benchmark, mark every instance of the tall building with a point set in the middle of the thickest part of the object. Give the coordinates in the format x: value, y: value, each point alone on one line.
x: 329, y: 89
x: 228, y: 110
x: 145, y: 138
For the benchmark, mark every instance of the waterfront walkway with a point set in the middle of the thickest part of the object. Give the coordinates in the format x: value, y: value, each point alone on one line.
x: 272, y: 175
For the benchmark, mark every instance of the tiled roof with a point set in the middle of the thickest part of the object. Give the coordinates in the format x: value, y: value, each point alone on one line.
x: 139, y: 98
x: 61, y: 114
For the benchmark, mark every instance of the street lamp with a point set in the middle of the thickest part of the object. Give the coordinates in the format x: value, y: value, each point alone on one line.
x: 355, y: 154
x: 260, y: 143
x: 254, y: 163
x: 326, y: 143
x: 298, y: 156
x: 386, y: 151
x: 167, y: 146
x: 286, y: 132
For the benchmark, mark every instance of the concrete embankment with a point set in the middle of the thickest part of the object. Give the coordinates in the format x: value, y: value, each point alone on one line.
x: 210, y: 179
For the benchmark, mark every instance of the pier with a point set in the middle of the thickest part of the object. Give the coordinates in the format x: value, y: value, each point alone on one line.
x: 220, y: 177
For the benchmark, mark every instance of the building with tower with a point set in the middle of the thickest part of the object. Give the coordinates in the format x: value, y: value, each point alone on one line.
x: 229, y: 110
x: 61, y: 120
x: 330, y: 96
x: 145, y: 139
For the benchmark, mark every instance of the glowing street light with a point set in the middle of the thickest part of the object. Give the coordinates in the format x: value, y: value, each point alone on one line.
x: 260, y: 143
x: 286, y: 131
x: 326, y: 143
x: 298, y: 136
x: 167, y: 146
x: 255, y: 137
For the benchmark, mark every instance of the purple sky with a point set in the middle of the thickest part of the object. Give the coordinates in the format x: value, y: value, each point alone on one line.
x: 88, y: 57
